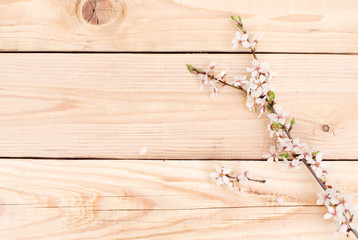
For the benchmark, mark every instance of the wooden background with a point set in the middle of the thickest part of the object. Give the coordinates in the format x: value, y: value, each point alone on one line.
x: 85, y: 84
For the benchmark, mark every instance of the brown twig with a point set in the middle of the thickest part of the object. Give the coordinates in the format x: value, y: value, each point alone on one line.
x: 250, y: 179
x: 199, y: 71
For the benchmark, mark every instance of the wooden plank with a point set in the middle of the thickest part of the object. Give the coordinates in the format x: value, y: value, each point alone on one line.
x: 101, y: 199
x: 112, y: 105
x: 176, y: 25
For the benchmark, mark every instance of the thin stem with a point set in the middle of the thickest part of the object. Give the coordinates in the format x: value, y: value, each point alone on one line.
x: 255, y: 180
x: 241, y: 27
x: 288, y: 133
x: 323, y: 186
x: 198, y: 71
x: 250, y: 179
x: 354, y: 232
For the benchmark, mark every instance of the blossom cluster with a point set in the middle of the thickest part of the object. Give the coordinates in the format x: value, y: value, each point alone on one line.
x: 257, y: 85
x: 222, y: 177
x: 339, y: 208
x: 211, y: 77
x: 260, y: 97
x: 243, y: 40
x: 289, y: 149
x: 258, y: 88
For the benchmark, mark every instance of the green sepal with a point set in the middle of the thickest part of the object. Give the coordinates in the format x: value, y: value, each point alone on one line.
x: 285, y: 155
x: 276, y: 126
x: 314, y: 153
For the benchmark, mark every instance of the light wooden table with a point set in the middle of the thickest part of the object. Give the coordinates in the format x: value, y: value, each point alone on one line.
x: 85, y: 84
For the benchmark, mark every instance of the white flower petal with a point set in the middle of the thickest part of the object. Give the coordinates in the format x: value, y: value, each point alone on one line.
x: 244, y: 37
x: 255, y: 63
x: 214, y: 175
x: 143, y: 150
x: 226, y: 170
x: 320, y: 201
x: 246, y: 44
x: 225, y: 180
x: 237, y: 35
x: 334, y: 201
x: 319, y: 156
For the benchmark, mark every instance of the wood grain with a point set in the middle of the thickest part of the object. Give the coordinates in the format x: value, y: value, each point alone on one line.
x: 176, y: 25
x: 112, y: 105
x: 102, y: 199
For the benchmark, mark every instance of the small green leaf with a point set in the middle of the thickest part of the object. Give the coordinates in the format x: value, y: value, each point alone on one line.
x: 234, y: 18
x: 240, y: 19
x: 271, y: 96
x: 293, y: 121
x: 190, y: 68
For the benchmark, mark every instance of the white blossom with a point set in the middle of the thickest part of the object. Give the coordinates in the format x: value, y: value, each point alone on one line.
x: 306, y: 155
x: 220, y: 176
x: 250, y: 102
x: 339, y: 207
x: 222, y: 75
x: 280, y: 115
x: 212, y: 64
x: 244, y: 177
x: 241, y: 39
x: 239, y: 81
x: 272, y: 156
x: 261, y: 106
x: 294, y: 163
x: 255, y: 39
x: 260, y: 68
x: 319, y: 167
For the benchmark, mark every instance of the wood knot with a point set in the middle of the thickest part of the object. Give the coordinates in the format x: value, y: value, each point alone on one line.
x: 325, y: 128
x: 98, y: 12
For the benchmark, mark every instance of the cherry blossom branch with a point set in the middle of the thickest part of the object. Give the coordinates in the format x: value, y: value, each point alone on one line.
x: 222, y: 177
x: 245, y: 38
x: 261, y: 96
x: 287, y: 131
x: 193, y: 69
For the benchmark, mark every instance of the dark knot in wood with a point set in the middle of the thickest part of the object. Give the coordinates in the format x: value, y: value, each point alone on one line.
x: 325, y: 128
x: 98, y: 12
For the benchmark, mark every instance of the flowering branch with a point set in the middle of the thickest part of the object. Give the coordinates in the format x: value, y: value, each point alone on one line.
x: 212, y: 77
x: 260, y: 96
x: 222, y: 177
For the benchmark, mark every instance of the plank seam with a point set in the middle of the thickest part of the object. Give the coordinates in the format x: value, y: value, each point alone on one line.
x: 172, y: 52
x: 150, y: 159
